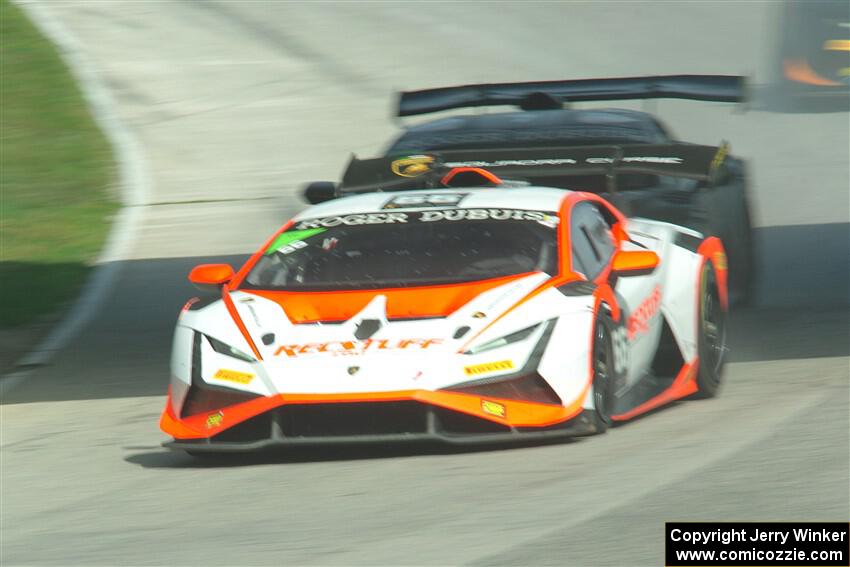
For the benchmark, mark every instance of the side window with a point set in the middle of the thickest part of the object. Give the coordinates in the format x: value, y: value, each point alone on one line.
x: 591, y: 240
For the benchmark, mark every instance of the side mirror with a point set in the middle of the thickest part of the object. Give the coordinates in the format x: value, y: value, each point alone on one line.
x: 210, y: 277
x: 319, y: 192
x: 634, y: 263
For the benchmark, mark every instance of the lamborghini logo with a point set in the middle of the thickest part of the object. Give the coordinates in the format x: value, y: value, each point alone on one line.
x: 352, y: 370
x: 412, y: 166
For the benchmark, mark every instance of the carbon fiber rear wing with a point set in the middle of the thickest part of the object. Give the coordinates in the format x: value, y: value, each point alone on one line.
x: 425, y: 171
x: 552, y: 94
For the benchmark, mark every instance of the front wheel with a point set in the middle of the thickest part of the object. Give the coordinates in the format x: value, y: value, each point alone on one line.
x: 711, y: 338
x: 603, y: 373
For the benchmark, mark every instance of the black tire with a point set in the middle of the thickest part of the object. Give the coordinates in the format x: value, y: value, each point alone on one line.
x: 741, y: 255
x: 603, y: 372
x: 728, y: 217
x: 724, y: 212
x: 748, y: 257
x: 711, y: 339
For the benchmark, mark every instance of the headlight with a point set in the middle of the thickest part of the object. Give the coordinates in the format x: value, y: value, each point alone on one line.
x: 503, y: 341
x: 228, y: 350
x: 203, y: 397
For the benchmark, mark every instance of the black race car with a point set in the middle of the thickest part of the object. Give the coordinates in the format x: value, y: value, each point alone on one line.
x: 628, y: 157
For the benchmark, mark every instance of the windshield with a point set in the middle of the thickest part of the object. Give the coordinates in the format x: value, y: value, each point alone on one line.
x: 396, y: 249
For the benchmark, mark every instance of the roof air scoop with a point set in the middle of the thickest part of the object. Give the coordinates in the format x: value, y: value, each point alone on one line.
x: 540, y: 101
x: 470, y: 177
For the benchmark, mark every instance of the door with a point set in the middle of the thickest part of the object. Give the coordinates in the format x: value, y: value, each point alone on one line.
x: 639, y: 297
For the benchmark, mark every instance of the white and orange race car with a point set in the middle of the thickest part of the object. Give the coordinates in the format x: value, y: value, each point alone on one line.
x: 487, y: 312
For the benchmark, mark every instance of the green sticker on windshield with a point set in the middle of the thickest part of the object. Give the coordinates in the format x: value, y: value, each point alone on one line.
x: 291, y: 236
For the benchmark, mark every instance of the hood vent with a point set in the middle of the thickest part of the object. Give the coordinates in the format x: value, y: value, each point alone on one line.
x: 461, y: 331
x: 367, y: 328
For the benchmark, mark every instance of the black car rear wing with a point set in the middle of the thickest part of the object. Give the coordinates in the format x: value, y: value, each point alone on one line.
x: 425, y: 171
x: 552, y: 94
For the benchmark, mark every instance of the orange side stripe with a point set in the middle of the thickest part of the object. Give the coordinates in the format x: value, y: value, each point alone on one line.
x: 711, y: 250
x: 231, y: 308
x: 684, y: 385
x: 551, y: 282
x: 603, y: 293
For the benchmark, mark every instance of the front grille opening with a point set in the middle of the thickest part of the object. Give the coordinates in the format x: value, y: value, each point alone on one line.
x: 341, y: 420
x: 254, y: 429
x: 456, y: 423
x: 530, y: 388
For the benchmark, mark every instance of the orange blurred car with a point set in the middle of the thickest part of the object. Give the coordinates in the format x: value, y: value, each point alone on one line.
x: 814, y: 49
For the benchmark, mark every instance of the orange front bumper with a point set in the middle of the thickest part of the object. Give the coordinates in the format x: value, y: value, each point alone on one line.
x: 511, y: 413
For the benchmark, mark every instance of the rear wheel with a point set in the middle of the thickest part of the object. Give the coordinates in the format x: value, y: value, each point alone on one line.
x: 742, y: 268
x: 711, y: 335
x: 603, y: 373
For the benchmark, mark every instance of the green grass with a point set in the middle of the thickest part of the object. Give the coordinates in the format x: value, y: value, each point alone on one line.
x: 57, y: 178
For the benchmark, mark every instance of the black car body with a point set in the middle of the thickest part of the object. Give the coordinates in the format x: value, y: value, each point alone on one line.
x: 618, y: 153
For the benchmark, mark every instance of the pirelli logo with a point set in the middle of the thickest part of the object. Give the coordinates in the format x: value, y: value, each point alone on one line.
x: 488, y: 367
x: 233, y: 376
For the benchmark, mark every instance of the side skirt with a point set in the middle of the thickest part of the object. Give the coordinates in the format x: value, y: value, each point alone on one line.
x: 669, y: 378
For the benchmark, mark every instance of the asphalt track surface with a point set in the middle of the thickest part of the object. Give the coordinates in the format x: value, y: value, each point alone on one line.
x: 238, y: 103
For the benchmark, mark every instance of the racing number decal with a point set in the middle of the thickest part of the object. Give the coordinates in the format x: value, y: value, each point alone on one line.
x: 427, y: 200
x: 292, y: 247
x: 621, y: 350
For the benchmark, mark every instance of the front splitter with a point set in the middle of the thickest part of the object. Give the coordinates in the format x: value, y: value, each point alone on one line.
x: 580, y: 426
